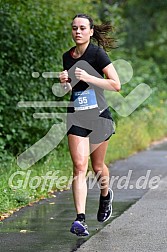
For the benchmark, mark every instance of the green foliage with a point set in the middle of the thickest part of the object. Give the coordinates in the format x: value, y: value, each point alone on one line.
x: 34, y: 35
x: 142, y: 41
x: 145, y: 32
x: 136, y: 132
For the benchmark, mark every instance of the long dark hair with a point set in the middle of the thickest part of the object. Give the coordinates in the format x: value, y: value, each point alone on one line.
x: 101, y: 33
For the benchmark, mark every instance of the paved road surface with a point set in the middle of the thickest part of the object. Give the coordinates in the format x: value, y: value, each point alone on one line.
x: 142, y: 228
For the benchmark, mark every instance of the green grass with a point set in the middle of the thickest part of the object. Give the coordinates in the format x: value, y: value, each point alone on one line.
x: 20, y: 187
x: 136, y: 132
x: 133, y: 133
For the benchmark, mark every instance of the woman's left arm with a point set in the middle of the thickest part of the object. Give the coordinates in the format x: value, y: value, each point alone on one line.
x: 111, y: 82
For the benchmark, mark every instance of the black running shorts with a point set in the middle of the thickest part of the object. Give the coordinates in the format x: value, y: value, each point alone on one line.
x: 98, y: 129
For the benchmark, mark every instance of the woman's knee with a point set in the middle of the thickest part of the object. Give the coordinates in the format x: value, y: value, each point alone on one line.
x: 80, y: 167
x: 98, y: 167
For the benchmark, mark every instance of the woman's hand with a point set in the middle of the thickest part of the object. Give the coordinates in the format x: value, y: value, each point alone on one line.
x: 111, y: 82
x: 81, y: 74
x: 65, y: 81
x: 63, y: 77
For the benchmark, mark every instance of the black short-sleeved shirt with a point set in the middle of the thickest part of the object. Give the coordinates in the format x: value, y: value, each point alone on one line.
x: 93, y: 54
x: 97, y: 58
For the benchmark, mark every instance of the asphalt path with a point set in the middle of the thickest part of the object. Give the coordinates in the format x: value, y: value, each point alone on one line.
x: 143, y: 227
x: 138, y: 222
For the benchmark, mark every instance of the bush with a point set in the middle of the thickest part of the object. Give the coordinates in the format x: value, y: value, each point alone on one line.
x: 34, y: 35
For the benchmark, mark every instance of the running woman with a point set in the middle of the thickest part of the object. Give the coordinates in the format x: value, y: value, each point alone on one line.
x: 89, y: 121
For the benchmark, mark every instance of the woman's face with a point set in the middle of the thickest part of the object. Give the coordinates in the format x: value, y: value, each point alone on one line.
x: 81, y: 31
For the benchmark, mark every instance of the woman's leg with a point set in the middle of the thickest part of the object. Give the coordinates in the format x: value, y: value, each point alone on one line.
x: 106, y: 197
x: 98, y: 152
x: 79, y: 154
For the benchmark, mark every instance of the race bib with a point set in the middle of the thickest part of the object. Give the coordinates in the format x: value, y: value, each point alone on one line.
x: 84, y: 100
